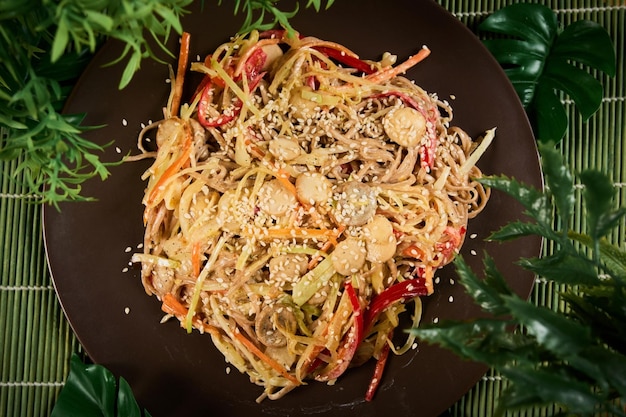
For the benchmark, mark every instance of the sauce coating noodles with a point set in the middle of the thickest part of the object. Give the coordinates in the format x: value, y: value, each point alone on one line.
x: 301, y: 202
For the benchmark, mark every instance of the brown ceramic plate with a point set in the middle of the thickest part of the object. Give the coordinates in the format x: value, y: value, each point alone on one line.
x: 174, y: 373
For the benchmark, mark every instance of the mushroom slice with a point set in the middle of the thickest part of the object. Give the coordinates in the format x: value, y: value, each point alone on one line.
x: 272, y: 321
x: 355, y: 203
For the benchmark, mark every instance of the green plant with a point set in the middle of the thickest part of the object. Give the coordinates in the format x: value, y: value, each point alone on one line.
x: 541, y: 60
x: 44, y: 46
x: 576, y: 358
x: 257, y: 13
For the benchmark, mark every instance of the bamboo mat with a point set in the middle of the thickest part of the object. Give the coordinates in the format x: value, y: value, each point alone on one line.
x: 36, y: 341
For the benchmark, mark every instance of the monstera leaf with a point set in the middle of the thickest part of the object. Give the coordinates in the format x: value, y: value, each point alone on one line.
x: 92, y: 391
x: 543, y: 61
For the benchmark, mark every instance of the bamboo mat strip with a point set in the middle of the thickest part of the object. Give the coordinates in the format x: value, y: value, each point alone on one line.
x: 36, y: 341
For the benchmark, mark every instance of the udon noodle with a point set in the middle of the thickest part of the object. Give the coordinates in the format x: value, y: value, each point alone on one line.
x: 300, y: 202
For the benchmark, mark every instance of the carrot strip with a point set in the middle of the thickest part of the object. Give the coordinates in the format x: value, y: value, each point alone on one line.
x: 258, y: 353
x: 387, y: 74
x: 283, y: 177
x: 327, y: 245
x: 195, y: 259
x: 298, y: 232
x: 172, y: 169
x: 171, y: 305
x: 183, y: 59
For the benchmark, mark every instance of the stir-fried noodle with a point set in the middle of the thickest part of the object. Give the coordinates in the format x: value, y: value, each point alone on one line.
x: 300, y: 202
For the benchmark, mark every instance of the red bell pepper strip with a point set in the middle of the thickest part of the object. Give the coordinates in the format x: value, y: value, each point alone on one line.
x: 400, y: 292
x: 427, y: 152
x: 356, y: 307
x: 273, y: 34
x: 351, y: 340
x: 348, y: 60
x: 311, y: 82
x: 205, y: 101
x: 345, y: 353
x: 254, y: 64
x: 448, y: 247
x: 222, y: 119
x: 378, y: 373
x: 406, y: 99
